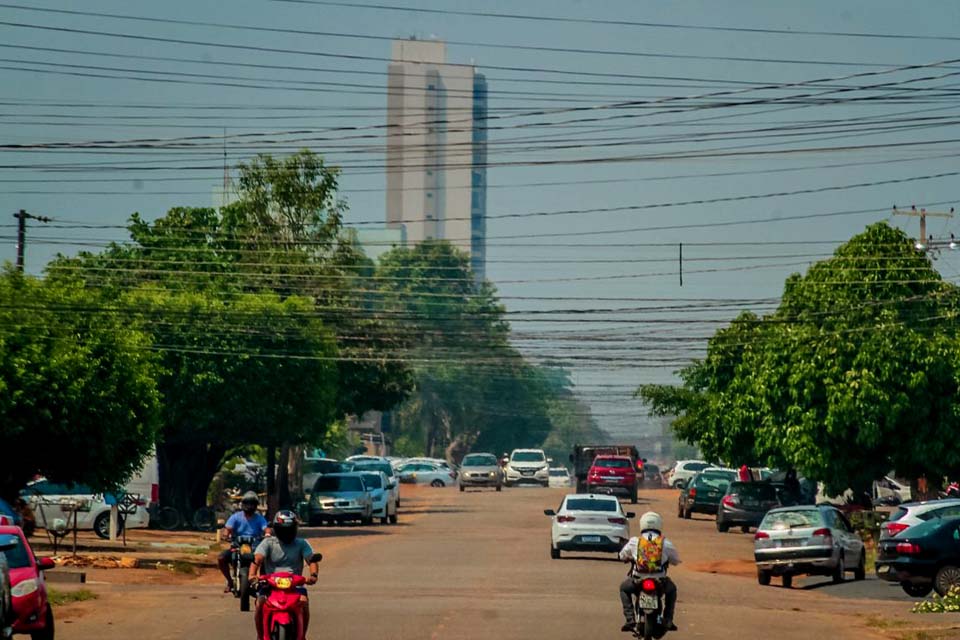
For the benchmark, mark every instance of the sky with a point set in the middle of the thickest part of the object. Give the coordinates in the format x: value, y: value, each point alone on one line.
x: 750, y: 149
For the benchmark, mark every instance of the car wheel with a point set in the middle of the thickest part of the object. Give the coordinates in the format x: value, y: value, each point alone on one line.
x: 687, y: 514
x: 745, y: 528
x: 787, y: 581
x: 385, y: 520
x: 839, y: 572
x: 763, y: 577
x: 48, y: 628
x: 366, y: 520
x: 499, y: 487
x: 860, y: 573
x: 393, y: 519
x: 437, y: 483
x: 633, y: 497
x: 947, y: 578
x: 678, y: 484
x: 722, y: 526
x: 101, y: 526
x: 554, y: 553
x: 915, y: 590
x: 461, y: 489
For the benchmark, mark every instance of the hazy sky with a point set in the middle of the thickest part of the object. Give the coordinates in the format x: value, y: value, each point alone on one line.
x: 269, y: 82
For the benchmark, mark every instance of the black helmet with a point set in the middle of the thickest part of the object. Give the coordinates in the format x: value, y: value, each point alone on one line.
x: 250, y: 499
x: 285, y: 526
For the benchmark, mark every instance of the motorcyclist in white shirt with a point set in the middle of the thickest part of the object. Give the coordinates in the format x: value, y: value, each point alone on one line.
x: 651, y: 527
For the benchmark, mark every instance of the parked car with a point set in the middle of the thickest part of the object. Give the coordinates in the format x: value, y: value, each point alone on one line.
x: 383, y: 465
x: 652, y: 476
x: 313, y: 468
x: 379, y: 487
x: 481, y: 470
x: 588, y: 522
x: 527, y: 466
x: 912, y: 514
x: 32, y: 612
x: 813, y: 540
x: 613, y: 474
x: 684, y: 470
x: 925, y: 557
x: 340, y: 497
x: 51, y: 502
x: 745, y: 504
x: 426, y: 473
x: 560, y: 477
x: 6, y: 598
x: 704, y: 492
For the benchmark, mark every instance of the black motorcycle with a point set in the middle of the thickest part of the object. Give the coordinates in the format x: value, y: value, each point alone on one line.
x: 648, y: 605
x: 241, y: 557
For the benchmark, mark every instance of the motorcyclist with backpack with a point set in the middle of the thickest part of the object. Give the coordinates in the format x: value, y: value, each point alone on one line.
x: 650, y: 552
x: 246, y: 522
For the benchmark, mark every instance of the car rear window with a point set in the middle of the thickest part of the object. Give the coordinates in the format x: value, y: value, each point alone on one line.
x: 898, y: 514
x: 792, y: 519
x: 338, y: 483
x: 718, y: 483
x: 612, y: 463
x: 754, y: 490
x: 375, y: 466
x: 943, y: 512
x: 591, y: 504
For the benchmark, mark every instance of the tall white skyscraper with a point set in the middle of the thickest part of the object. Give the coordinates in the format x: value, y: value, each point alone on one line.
x: 437, y: 149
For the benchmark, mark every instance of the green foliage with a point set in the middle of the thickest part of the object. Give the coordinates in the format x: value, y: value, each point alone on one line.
x: 949, y: 603
x: 860, y: 353
x: 78, y: 400
x: 58, y: 598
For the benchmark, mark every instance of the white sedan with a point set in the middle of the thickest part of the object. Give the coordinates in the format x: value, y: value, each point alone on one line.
x: 560, y: 477
x: 427, y: 473
x: 588, y: 522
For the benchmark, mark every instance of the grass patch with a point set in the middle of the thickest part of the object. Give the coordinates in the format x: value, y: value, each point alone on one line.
x: 184, y: 567
x: 58, y: 598
x: 879, y: 622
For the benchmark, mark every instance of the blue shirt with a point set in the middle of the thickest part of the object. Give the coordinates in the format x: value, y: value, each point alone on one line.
x: 240, y: 525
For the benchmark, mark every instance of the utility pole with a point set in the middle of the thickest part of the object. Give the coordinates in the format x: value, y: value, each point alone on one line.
x: 923, y: 241
x: 22, y: 217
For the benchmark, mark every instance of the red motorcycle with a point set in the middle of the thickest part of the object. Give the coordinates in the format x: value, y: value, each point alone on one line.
x: 282, y: 612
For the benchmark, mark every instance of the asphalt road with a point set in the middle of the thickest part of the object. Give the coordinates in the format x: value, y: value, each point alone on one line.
x: 476, y: 565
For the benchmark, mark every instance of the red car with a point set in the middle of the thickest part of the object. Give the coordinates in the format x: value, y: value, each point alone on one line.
x: 32, y: 613
x: 613, y: 474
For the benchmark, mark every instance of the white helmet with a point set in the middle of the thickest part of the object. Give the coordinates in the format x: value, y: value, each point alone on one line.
x: 651, y: 520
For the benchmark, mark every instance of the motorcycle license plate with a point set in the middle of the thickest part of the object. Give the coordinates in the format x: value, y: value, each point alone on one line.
x: 591, y: 538
x: 648, y: 601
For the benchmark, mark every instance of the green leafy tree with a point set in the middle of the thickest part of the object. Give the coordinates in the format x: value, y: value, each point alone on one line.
x: 78, y: 401
x: 855, y: 374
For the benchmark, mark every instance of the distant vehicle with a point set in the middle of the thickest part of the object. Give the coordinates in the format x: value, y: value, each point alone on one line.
x: 51, y: 502
x: 651, y: 476
x: 889, y: 491
x: 807, y: 540
x: 912, y: 514
x: 583, y: 455
x: 703, y: 493
x: 340, y: 497
x: 745, y: 504
x: 481, y: 470
x: 924, y: 558
x: 380, y: 464
x: 313, y: 468
x: 379, y: 487
x: 560, y: 477
x: 32, y: 612
x: 427, y: 473
x: 527, y: 466
x: 613, y: 474
x: 683, y: 470
x: 588, y: 522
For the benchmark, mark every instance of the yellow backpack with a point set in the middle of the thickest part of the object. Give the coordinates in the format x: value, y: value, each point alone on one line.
x: 650, y: 554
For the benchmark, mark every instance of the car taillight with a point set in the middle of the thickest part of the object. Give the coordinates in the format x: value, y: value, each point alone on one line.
x: 908, y: 548
x: 693, y: 492
x: 761, y: 535
x: 649, y: 585
x: 823, y: 533
x: 154, y: 492
x: 730, y: 501
x: 565, y: 518
x: 893, y: 528
x: 617, y: 520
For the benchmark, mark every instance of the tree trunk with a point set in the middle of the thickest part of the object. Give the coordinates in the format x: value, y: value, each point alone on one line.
x: 185, y: 472
x: 295, y: 470
x: 272, y: 502
x: 283, y: 478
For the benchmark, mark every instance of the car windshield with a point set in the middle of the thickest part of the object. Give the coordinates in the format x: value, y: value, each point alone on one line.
x: 591, y: 504
x: 715, y: 483
x: 338, y: 483
x: 558, y: 473
x: 480, y: 460
x: 896, y: 515
x: 322, y: 466
x: 527, y: 456
x: 17, y: 557
x: 613, y: 463
x: 754, y: 490
x: 372, y: 481
x: 792, y: 519
x: 386, y: 467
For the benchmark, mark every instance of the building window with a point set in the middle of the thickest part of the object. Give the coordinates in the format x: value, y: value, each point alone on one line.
x: 429, y: 194
x: 431, y: 86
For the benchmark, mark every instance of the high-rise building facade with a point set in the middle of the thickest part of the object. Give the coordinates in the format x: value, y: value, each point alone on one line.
x: 437, y: 149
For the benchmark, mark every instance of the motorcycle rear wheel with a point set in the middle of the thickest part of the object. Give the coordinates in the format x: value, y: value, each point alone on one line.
x: 244, y: 585
x: 649, y: 627
x: 284, y: 632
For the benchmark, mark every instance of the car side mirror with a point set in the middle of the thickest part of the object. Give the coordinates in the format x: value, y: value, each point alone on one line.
x: 631, y: 514
x: 45, y: 564
x: 392, y: 485
x: 550, y: 460
x: 317, y: 557
x: 549, y: 512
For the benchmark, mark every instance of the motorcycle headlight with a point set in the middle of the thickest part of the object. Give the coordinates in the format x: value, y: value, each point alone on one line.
x: 24, y: 588
x: 283, y: 583
x: 246, y: 548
